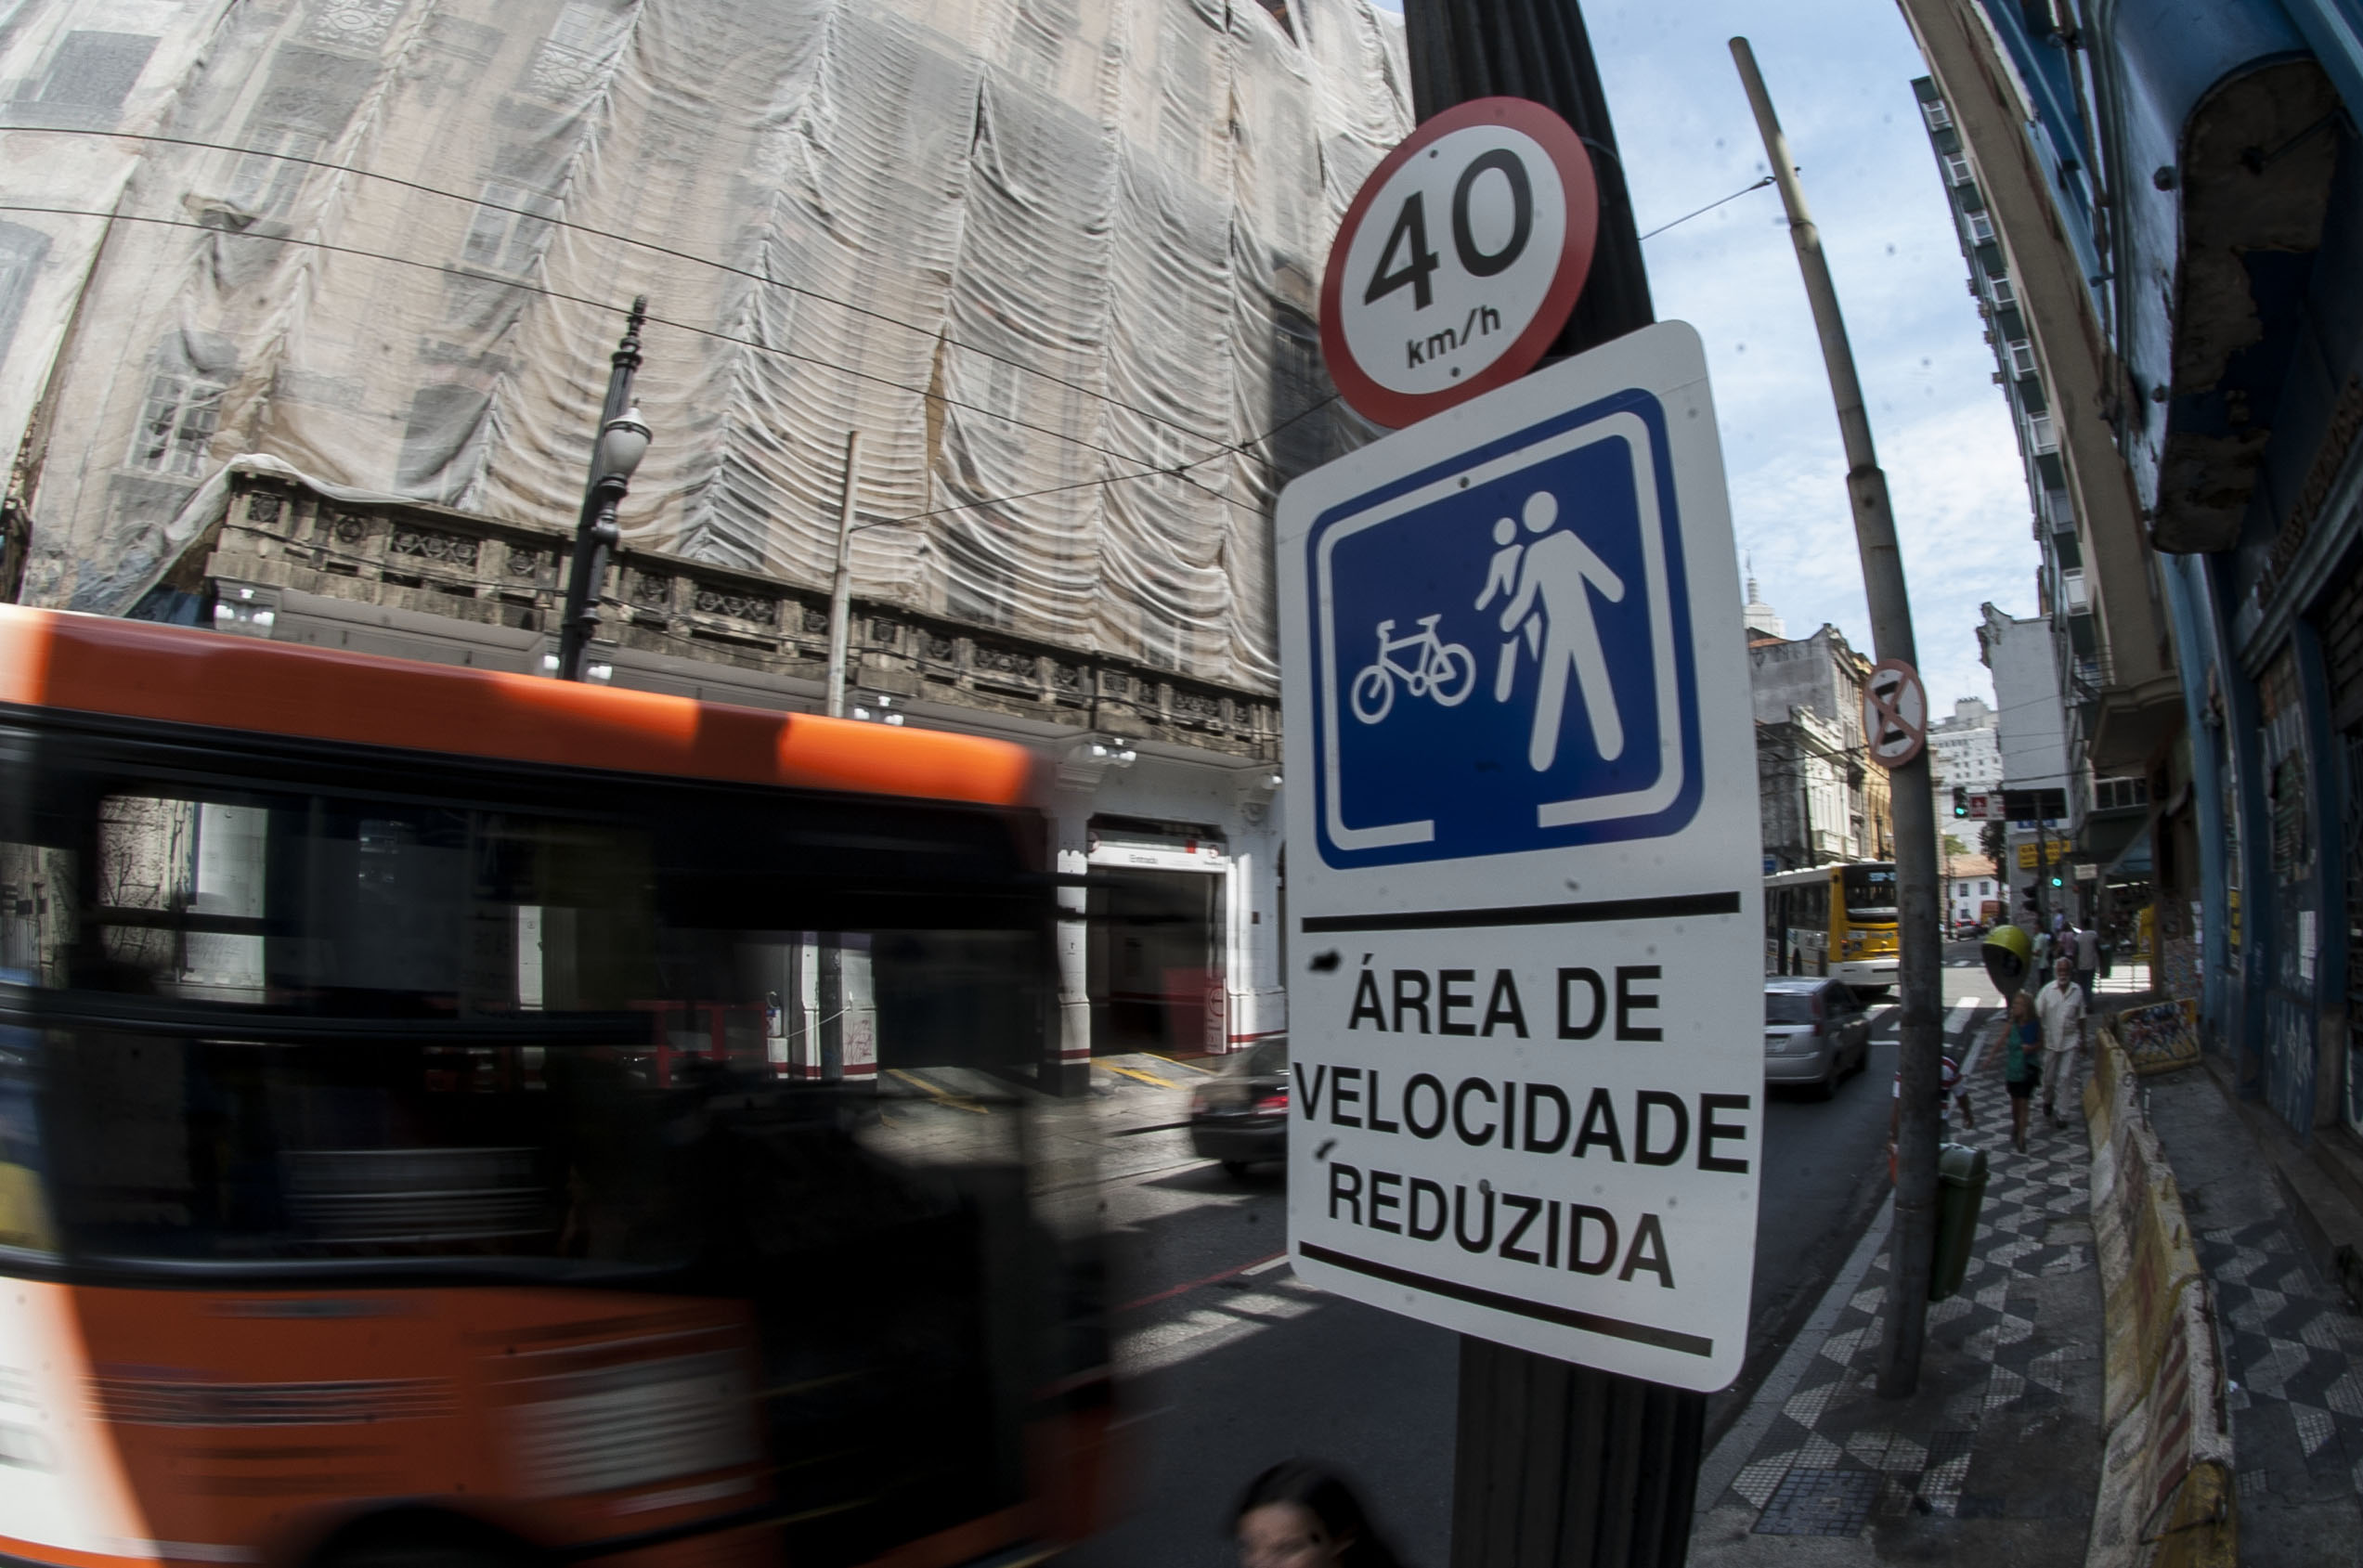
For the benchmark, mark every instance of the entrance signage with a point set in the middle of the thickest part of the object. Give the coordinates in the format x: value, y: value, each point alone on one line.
x: 1895, y: 713
x: 1459, y: 260
x: 1524, y: 1005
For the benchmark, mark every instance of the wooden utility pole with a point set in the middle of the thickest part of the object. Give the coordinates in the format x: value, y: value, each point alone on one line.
x: 1920, y: 957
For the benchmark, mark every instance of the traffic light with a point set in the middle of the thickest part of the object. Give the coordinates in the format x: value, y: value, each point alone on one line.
x: 2055, y: 882
x: 1960, y: 800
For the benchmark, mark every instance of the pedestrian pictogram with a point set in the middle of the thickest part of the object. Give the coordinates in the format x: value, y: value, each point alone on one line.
x: 1895, y: 713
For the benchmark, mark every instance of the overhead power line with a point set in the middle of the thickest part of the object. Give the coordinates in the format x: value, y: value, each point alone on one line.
x: 1147, y: 468
x: 1709, y: 207
x: 652, y: 246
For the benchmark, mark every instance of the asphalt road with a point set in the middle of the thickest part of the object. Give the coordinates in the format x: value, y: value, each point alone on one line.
x: 1233, y: 1366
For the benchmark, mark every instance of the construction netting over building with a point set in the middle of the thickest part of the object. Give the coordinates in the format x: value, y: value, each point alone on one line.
x: 1029, y: 248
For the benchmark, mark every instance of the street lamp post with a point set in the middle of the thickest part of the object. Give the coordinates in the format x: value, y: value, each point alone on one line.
x: 623, y: 441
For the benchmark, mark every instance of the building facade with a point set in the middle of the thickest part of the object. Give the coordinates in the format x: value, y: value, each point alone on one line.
x: 1971, y: 882
x: 2031, y: 734
x: 308, y: 342
x: 1821, y: 801
x: 2194, y: 235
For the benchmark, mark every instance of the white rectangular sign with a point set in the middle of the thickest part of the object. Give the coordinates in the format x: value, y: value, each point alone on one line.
x: 1524, y: 1003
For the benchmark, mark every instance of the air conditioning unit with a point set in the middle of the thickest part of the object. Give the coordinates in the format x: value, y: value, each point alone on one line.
x: 2022, y: 358
x: 1981, y: 230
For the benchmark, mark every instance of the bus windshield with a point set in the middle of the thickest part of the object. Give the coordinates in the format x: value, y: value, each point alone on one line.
x: 1870, y: 892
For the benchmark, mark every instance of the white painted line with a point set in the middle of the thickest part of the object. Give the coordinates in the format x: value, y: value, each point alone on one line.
x: 1266, y: 1267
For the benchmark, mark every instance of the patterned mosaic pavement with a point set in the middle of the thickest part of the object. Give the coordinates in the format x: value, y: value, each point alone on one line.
x: 2295, y: 1355
x: 2006, y: 1424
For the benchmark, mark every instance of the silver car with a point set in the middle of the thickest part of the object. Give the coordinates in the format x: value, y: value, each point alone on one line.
x: 1815, y: 1032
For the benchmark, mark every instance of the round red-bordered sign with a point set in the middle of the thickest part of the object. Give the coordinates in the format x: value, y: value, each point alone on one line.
x: 1459, y: 259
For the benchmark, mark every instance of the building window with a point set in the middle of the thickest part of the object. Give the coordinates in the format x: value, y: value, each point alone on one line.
x: 21, y: 252
x: 267, y: 178
x: 2073, y: 593
x: 581, y: 44
x: 508, y: 228
x: 178, y: 417
x: 87, y: 79
x: 2117, y: 794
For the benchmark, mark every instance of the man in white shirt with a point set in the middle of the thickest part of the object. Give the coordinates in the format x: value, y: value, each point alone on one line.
x: 2060, y: 1009
x: 2086, y: 942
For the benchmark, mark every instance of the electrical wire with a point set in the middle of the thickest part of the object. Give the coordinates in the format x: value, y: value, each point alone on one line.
x: 1709, y: 208
x: 1176, y: 471
x: 649, y: 245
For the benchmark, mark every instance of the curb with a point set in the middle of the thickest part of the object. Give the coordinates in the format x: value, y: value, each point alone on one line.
x: 2168, y: 1498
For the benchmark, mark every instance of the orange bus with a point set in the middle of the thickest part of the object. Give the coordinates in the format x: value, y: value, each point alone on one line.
x: 442, y: 1123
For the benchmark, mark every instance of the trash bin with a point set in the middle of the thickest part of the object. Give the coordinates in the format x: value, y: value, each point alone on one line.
x: 1960, y: 1193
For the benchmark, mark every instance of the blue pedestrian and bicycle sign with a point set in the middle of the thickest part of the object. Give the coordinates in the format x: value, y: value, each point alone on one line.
x: 1520, y: 799
x: 1502, y: 652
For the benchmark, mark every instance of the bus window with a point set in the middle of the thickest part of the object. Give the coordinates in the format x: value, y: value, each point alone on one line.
x: 1870, y: 892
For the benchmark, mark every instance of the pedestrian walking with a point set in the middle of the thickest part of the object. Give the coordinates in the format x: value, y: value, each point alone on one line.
x: 2021, y: 1064
x: 2086, y: 942
x: 2060, y: 1009
x: 1297, y: 1515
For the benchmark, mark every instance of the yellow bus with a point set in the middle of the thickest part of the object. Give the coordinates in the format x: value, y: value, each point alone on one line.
x: 1833, y: 920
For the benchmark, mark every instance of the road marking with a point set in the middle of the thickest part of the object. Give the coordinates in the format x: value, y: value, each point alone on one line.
x: 1176, y: 1061
x: 1136, y: 1072
x: 1168, y: 1294
x: 1211, y: 1327
x: 942, y: 1095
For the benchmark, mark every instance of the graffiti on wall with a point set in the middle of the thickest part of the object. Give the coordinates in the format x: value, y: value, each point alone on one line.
x: 2159, y: 1037
x: 2289, y: 1060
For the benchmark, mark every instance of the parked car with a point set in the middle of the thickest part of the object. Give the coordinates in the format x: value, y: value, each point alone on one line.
x: 1242, y: 1117
x: 1815, y: 1032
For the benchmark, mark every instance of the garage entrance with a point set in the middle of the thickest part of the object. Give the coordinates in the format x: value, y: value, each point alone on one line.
x: 1154, y: 937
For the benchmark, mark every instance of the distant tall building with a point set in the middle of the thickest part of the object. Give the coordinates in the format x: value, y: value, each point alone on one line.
x: 2032, y: 736
x: 1760, y: 618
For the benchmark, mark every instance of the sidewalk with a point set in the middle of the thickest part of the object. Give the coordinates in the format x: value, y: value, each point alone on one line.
x: 1997, y: 1459
x: 2293, y: 1346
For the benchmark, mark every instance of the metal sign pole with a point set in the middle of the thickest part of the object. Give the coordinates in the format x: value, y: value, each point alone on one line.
x: 1919, y: 955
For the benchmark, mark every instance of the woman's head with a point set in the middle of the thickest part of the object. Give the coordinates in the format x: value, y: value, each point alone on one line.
x: 2022, y: 1008
x: 1297, y: 1515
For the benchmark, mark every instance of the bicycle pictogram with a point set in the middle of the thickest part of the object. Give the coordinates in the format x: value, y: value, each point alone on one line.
x: 1445, y: 671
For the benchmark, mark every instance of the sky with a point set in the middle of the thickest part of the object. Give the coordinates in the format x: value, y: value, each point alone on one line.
x: 1840, y: 72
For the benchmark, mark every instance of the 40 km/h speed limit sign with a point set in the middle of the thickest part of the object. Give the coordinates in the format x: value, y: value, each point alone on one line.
x: 1459, y: 259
